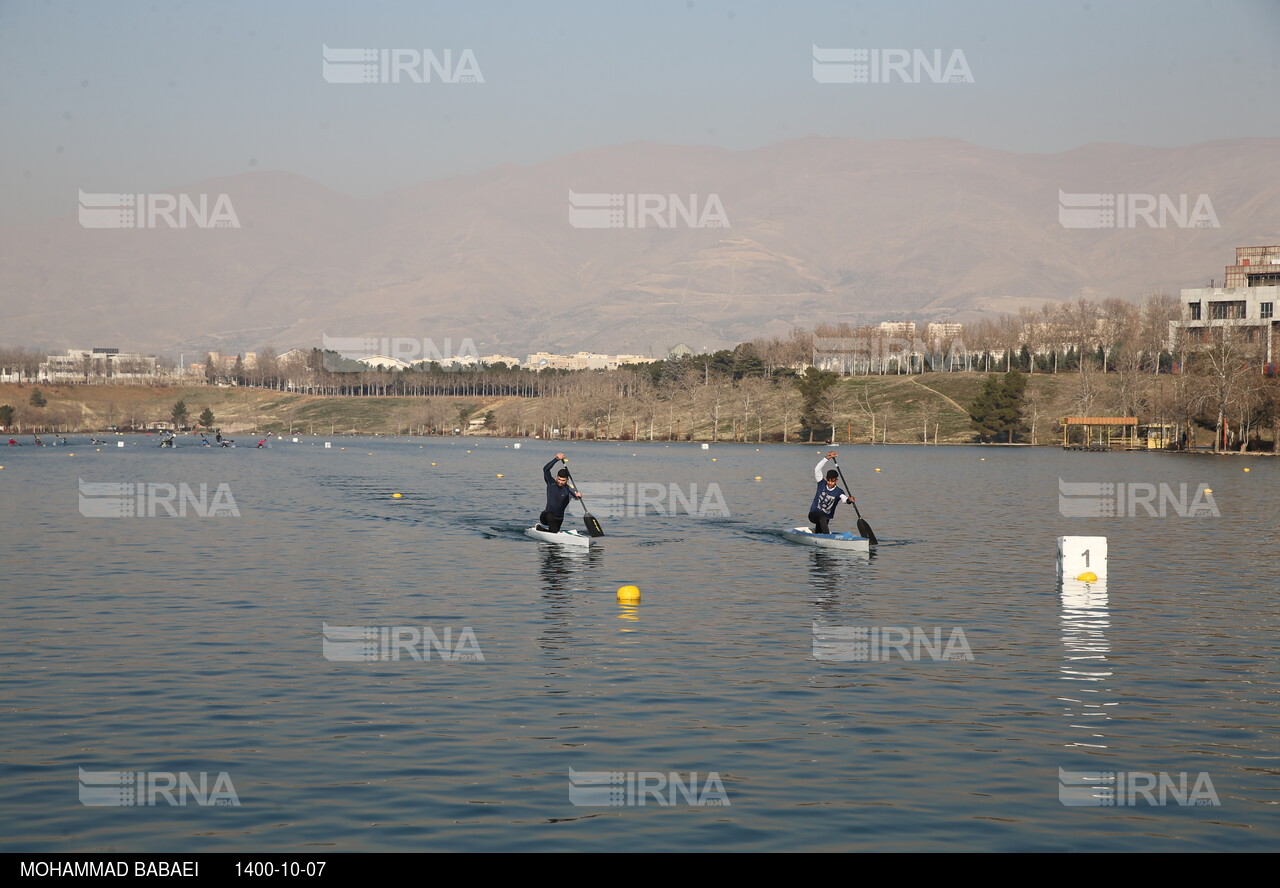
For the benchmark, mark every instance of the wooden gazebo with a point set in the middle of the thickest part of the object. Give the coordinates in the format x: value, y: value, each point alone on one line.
x: 1111, y: 432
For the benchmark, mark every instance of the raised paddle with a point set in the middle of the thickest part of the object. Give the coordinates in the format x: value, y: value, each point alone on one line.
x: 864, y: 529
x: 593, y: 526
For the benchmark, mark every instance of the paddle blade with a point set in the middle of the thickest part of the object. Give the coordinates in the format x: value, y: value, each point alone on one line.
x: 865, y: 530
x: 593, y: 526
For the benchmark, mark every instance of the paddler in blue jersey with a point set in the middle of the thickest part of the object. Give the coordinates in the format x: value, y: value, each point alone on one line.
x: 827, y: 497
x: 559, y: 495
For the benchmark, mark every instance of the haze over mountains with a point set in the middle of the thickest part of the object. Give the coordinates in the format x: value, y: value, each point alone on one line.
x: 820, y: 229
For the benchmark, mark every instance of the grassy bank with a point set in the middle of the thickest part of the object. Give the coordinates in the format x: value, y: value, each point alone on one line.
x: 899, y: 409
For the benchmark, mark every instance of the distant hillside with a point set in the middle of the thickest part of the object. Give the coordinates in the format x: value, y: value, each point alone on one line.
x: 819, y: 230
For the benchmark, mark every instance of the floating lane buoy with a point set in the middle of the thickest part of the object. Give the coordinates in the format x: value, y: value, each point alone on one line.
x: 629, y: 593
x: 1088, y: 577
x: 758, y: 478
x: 1246, y: 470
x: 877, y: 470
x: 433, y: 464
x: 396, y: 495
x: 1208, y: 490
x: 499, y: 476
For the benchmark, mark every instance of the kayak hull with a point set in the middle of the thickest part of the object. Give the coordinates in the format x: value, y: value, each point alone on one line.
x: 846, y: 540
x: 563, y: 538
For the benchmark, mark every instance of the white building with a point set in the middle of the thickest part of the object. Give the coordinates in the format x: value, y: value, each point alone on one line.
x: 98, y: 364
x: 582, y: 361
x: 900, y: 329
x: 942, y: 332
x: 1246, y: 304
x: 383, y: 362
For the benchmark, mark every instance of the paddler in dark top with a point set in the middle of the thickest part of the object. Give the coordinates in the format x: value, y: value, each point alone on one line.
x: 559, y: 495
x: 827, y: 497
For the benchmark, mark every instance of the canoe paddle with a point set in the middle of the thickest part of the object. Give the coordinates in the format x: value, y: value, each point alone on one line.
x: 864, y: 529
x: 593, y: 526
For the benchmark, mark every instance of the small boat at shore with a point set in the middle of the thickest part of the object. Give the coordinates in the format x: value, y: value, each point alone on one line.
x: 846, y: 540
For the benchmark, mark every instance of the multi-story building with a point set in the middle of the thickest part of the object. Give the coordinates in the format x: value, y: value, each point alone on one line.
x: 582, y: 361
x: 1246, y: 303
x: 942, y: 332
x: 900, y: 329
x: 98, y: 364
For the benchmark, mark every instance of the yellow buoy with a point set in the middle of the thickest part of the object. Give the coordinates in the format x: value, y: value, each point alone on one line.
x: 1246, y: 470
x: 713, y: 459
x: 629, y: 593
x: 499, y: 476
x: 877, y: 470
x: 1208, y: 490
x: 982, y: 459
x: 1088, y: 577
x: 757, y: 477
x: 433, y: 464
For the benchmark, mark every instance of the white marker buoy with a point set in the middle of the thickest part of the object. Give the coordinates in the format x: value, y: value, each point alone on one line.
x: 516, y: 446
x: 295, y: 440
x: 119, y: 443
x: 327, y: 445
x: 1079, y: 555
x: 706, y: 446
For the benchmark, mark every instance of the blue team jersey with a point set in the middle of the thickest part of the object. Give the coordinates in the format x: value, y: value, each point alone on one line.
x: 826, y: 500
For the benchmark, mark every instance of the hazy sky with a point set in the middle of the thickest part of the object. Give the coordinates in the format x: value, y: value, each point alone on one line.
x: 151, y: 96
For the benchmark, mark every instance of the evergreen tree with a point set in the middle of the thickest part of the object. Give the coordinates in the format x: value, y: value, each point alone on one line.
x: 37, y: 398
x: 998, y: 408
x: 813, y: 385
x: 179, y: 414
x: 206, y: 418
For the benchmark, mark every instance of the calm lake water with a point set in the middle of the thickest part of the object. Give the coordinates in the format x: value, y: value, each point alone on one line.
x: 195, y: 644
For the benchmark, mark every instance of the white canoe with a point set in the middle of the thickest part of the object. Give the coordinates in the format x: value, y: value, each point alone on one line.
x: 564, y: 537
x: 845, y: 540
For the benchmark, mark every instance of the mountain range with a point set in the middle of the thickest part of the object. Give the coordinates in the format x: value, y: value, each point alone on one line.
x: 815, y: 229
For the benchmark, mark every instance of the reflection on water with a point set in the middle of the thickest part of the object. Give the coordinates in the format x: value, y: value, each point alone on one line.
x: 1084, y: 641
x: 629, y: 612
x: 834, y: 573
x: 562, y: 566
